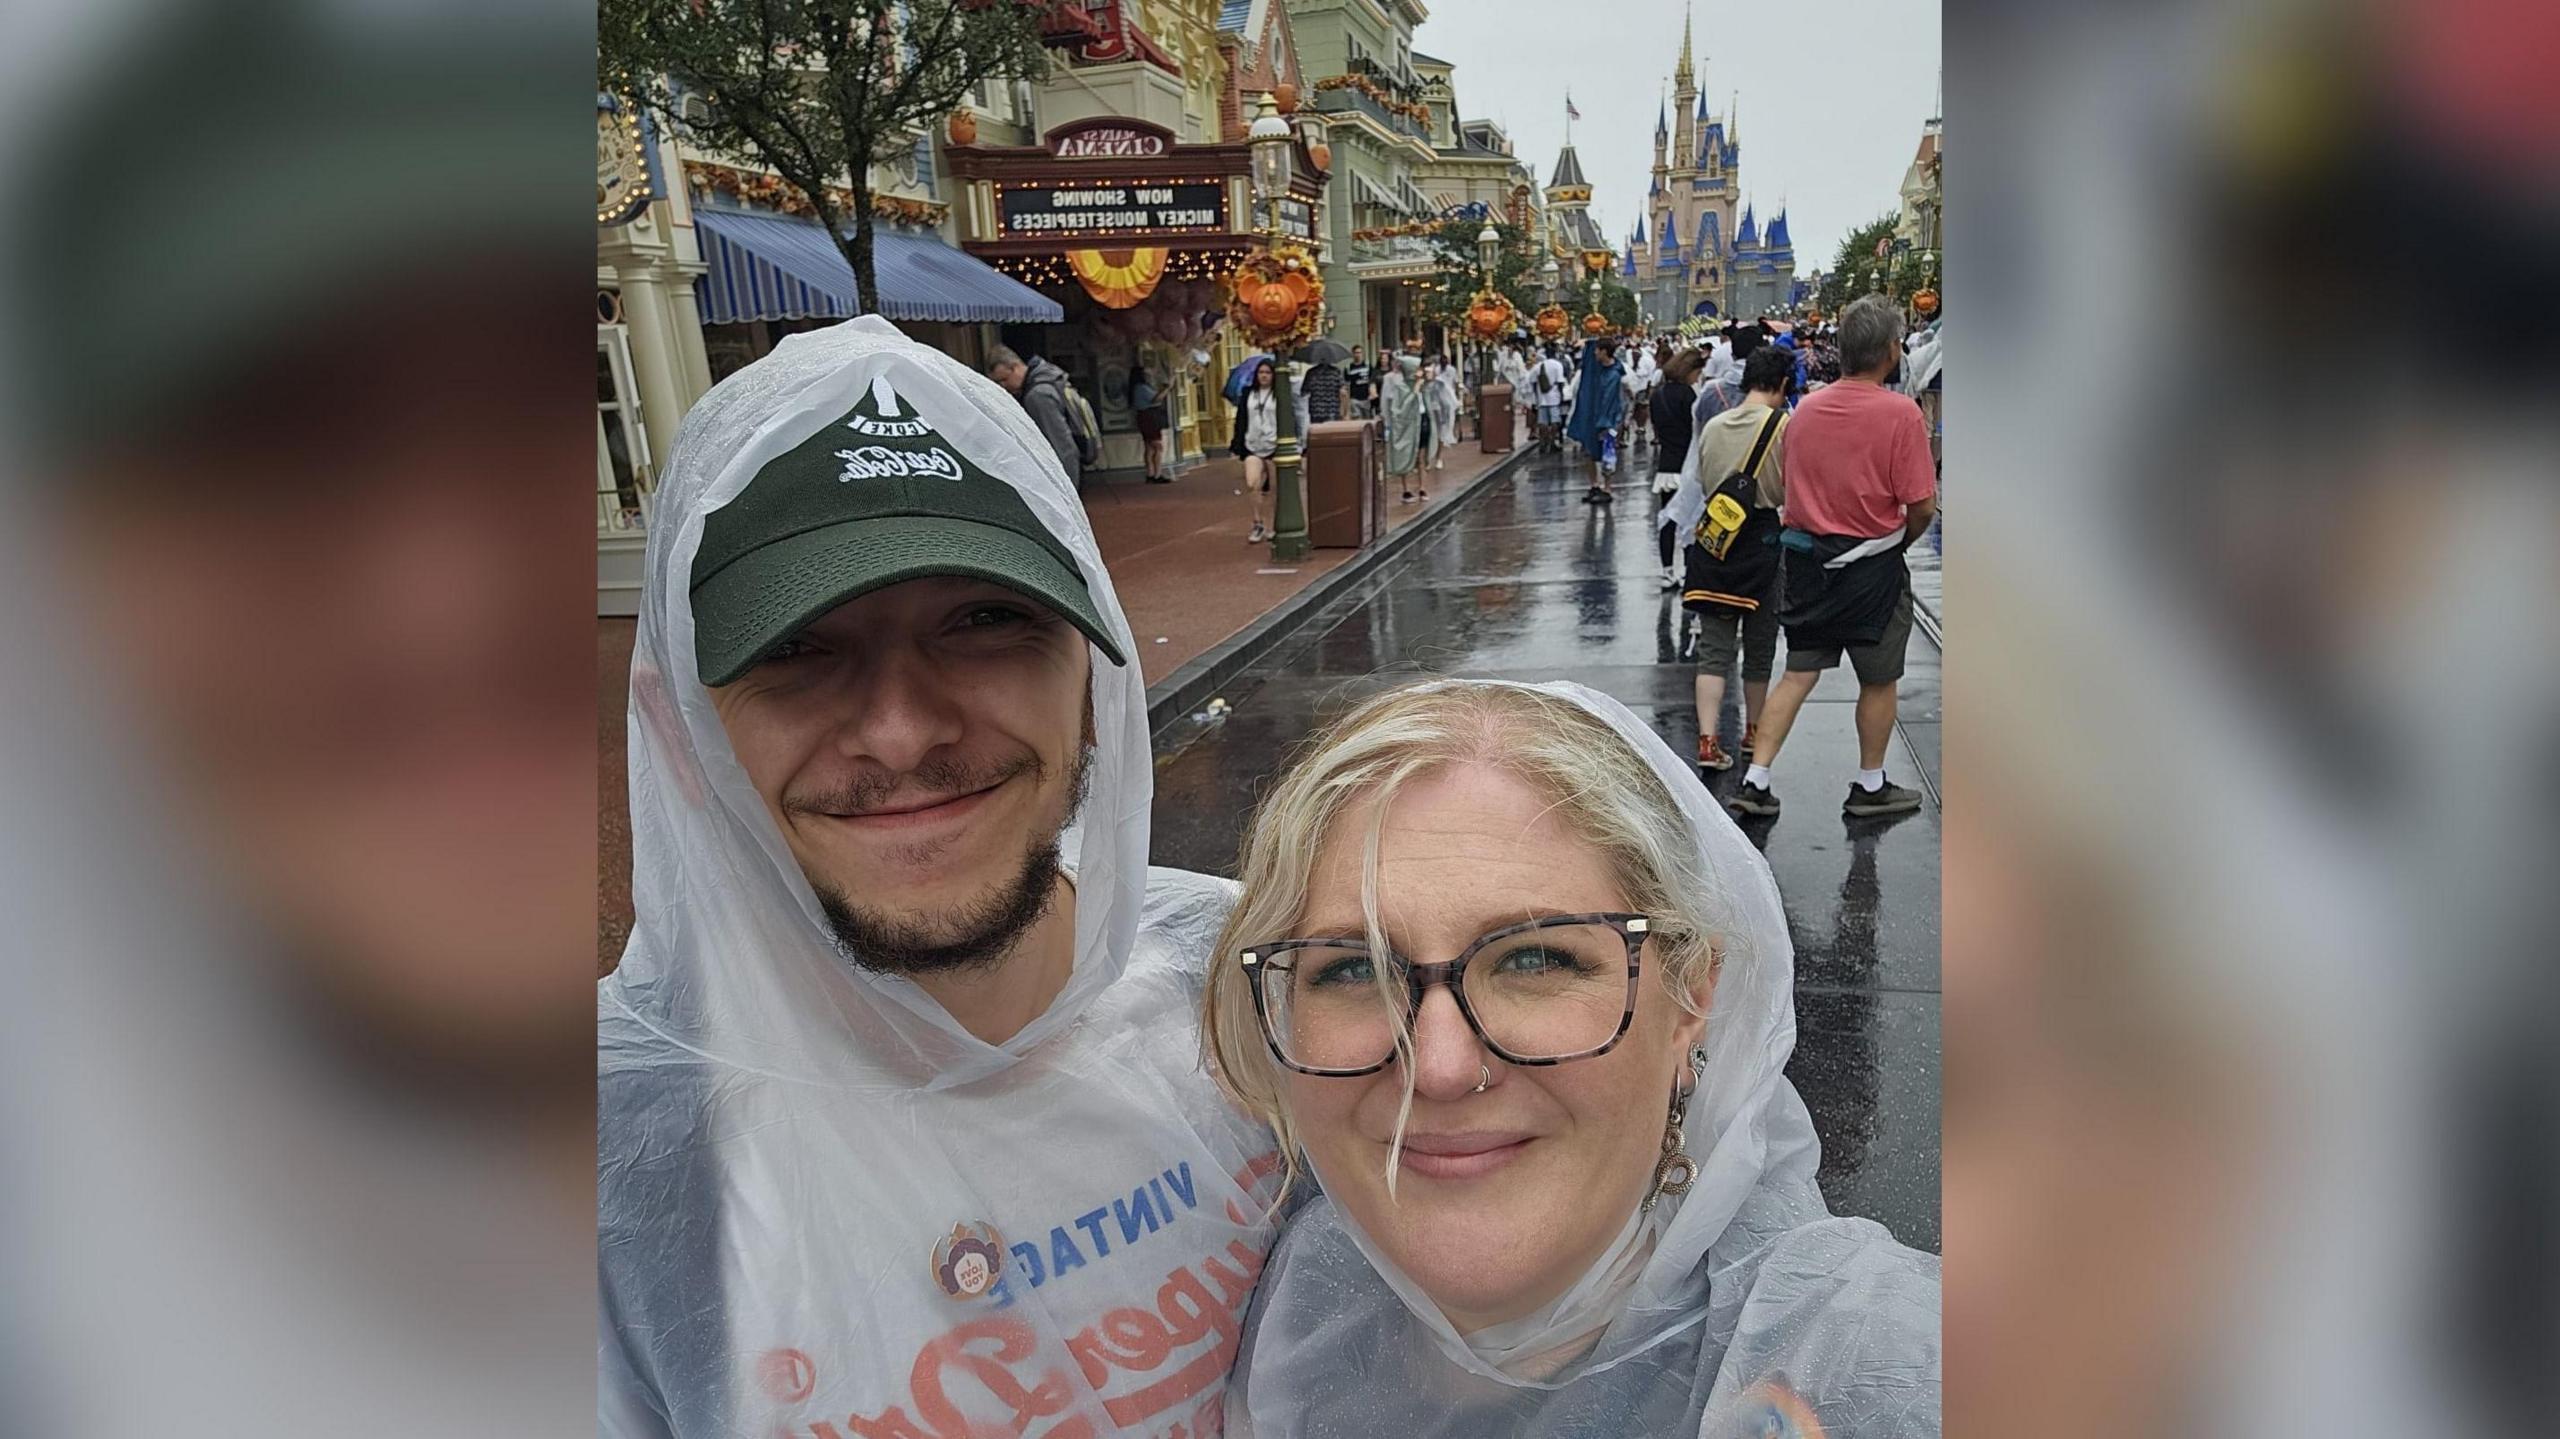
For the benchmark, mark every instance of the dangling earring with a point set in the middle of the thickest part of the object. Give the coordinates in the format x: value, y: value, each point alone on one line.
x: 1677, y: 1171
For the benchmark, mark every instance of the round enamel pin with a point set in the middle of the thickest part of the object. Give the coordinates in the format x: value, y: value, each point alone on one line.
x: 1771, y: 1410
x: 968, y: 1261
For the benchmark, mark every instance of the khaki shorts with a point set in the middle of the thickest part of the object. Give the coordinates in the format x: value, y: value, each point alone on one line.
x: 1876, y: 664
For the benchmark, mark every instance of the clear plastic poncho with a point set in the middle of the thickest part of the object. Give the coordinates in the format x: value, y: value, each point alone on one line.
x: 1732, y: 1308
x: 800, y: 1161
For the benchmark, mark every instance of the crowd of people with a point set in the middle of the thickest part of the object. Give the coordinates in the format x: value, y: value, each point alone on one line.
x: 1791, y: 466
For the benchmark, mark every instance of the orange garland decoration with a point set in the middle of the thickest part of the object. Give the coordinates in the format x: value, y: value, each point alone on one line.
x: 1119, y: 279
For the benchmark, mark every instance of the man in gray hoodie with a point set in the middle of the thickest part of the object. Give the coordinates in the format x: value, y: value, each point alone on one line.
x: 1042, y: 389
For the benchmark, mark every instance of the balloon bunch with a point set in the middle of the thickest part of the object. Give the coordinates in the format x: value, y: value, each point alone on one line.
x: 1179, y: 312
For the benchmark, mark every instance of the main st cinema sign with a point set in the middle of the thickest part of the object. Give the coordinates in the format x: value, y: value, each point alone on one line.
x: 1076, y: 201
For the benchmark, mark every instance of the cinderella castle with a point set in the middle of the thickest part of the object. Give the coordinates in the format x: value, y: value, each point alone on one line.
x: 1691, y: 256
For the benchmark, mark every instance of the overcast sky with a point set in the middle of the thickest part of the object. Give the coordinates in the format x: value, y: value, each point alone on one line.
x: 1832, y: 95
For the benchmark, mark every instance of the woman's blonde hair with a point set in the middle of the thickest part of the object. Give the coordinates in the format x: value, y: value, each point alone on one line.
x: 1597, y: 784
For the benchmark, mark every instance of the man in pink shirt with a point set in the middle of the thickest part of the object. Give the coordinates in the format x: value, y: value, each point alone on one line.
x: 1860, y: 486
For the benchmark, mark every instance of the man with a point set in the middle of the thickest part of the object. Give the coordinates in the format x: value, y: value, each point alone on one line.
x: 1042, y: 389
x: 1547, y: 386
x: 1859, y: 487
x: 1639, y: 379
x: 1734, y: 593
x: 1323, y: 392
x: 901, y: 1122
x: 1598, y: 416
x: 1355, y: 378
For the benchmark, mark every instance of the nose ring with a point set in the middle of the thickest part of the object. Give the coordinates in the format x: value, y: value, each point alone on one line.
x: 1485, y: 1079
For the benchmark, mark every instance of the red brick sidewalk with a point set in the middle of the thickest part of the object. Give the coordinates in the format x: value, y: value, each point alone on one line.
x: 1185, y: 575
x: 1177, y: 556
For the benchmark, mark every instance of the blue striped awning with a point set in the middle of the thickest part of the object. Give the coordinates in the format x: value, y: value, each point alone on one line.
x: 781, y: 267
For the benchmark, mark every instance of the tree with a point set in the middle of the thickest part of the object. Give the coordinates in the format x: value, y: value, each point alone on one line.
x: 818, y: 91
x: 1852, y: 274
x: 1457, y: 276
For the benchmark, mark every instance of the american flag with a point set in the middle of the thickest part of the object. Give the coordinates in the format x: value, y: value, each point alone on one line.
x: 1570, y: 113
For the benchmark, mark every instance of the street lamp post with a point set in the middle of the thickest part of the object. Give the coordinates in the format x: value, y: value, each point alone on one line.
x: 1488, y: 253
x: 1269, y: 140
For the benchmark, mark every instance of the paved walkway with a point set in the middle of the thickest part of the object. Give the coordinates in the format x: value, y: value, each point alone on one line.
x: 1525, y: 582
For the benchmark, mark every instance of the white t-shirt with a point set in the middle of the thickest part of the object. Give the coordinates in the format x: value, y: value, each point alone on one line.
x: 1548, y: 381
x: 1261, y: 423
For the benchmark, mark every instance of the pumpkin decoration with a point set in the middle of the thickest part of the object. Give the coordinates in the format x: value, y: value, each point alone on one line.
x: 1322, y: 154
x: 1489, y: 315
x: 1595, y: 324
x: 962, y: 127
x: 1552, y: 322
x: 1284, y: 96
x: 1274, y: 297
x: 1926, y: 302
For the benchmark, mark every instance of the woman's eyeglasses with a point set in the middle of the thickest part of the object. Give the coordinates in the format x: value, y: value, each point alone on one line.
x: 1543, y: 992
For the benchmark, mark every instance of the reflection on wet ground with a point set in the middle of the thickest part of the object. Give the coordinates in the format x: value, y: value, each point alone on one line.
x: 1528, y: 583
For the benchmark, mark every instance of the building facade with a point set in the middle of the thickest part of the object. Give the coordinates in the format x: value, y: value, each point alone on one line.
x: 1368, y: 98
x: 1472, y: 162
x: 1701, y: 250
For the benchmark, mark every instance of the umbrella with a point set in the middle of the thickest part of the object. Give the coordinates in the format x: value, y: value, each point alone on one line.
x: 1325, y: 352
x: 1241, y: 376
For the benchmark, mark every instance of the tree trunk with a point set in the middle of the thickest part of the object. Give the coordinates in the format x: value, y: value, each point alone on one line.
x: 857, y: 247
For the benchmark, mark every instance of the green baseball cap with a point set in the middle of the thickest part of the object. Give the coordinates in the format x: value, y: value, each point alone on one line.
x: 876, y: 497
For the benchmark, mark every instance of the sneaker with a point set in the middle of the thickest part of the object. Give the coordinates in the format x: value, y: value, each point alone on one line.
x: 1749, y: 798
x: 1712, y: 755
x: 1603, y: 497
x: 1892, y: 799
x: 1258, y: 535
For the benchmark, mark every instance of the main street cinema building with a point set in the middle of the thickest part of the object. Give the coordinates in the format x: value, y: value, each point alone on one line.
x: 1130, y: 230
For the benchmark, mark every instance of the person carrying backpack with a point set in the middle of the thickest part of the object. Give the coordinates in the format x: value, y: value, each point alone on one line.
x: 1728, y: 507
x: 1546, y: 384
x: 1054, y: 407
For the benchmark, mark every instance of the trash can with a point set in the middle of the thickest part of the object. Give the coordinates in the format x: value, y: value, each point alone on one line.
x: 1493, y: 410
x: 1342, y: 486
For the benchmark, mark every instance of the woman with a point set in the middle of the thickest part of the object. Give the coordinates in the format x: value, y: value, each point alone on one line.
x: 1147, y: 404
x: 1599, y: 410
x: 1566, y: 1186
x: 1673, y: 394
x: 1257, y: 435
x: 1401, y: 400
x: 1441, y: 396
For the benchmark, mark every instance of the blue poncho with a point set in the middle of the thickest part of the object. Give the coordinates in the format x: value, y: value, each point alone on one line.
x: 1601, y: 403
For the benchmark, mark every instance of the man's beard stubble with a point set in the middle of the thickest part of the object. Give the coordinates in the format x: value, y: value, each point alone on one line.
x: 981, y: 933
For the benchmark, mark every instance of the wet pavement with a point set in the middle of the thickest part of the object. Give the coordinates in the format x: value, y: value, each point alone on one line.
x: 1528, y: 583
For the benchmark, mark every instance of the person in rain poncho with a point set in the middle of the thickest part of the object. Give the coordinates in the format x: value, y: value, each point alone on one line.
x: 1599, y: 411
x: 1567, y: 1188
x: 1441, y: 395
x: 901, y: 1125
x: 1401, y: 401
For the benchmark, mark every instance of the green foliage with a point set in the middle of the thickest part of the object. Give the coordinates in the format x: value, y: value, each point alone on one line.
x: 818, y: 91
x: 1457, y: 276
x: 1852, y: 273
x: 1617, y: 302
